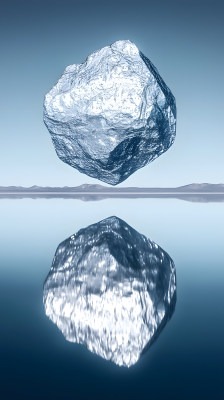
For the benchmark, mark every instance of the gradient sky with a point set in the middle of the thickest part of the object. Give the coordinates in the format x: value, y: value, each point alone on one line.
x: 184, y: 39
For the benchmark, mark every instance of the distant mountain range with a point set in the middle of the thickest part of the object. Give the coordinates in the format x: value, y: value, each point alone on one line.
x: 202, y: 192
x: 86, y: 188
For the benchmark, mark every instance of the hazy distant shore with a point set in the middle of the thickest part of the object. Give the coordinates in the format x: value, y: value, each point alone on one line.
x: 86, y: 188
x: 194, y: 192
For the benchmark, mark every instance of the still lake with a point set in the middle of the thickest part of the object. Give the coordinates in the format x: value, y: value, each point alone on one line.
x: 187, y: 359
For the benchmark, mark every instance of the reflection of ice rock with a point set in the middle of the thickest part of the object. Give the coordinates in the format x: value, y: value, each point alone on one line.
x: 111, y: 289
x: 111, y: 115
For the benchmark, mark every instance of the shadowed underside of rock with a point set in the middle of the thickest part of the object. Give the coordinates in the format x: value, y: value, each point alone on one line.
x: 111, y: 289
x: 111, y: 115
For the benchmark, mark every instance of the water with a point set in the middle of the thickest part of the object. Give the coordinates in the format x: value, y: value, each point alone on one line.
x: 185, y: 362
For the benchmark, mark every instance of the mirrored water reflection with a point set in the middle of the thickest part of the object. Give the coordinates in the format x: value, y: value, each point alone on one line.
x: 111, y: 289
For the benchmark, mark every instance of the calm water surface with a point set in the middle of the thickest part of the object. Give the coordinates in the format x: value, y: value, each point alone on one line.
x: 185, y: 362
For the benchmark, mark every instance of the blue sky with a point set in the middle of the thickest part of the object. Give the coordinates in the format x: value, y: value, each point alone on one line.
x: 184, y: 39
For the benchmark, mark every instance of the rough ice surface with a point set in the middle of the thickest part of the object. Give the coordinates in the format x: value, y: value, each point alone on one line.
x: 110, y: 289
x: 111, y: 115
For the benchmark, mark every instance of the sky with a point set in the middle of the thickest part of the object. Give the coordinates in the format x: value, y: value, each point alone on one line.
x: 184, y: 39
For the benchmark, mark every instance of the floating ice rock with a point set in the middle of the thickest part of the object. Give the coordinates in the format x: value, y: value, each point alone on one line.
x: 110, y: 289
x: 111, y: 115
